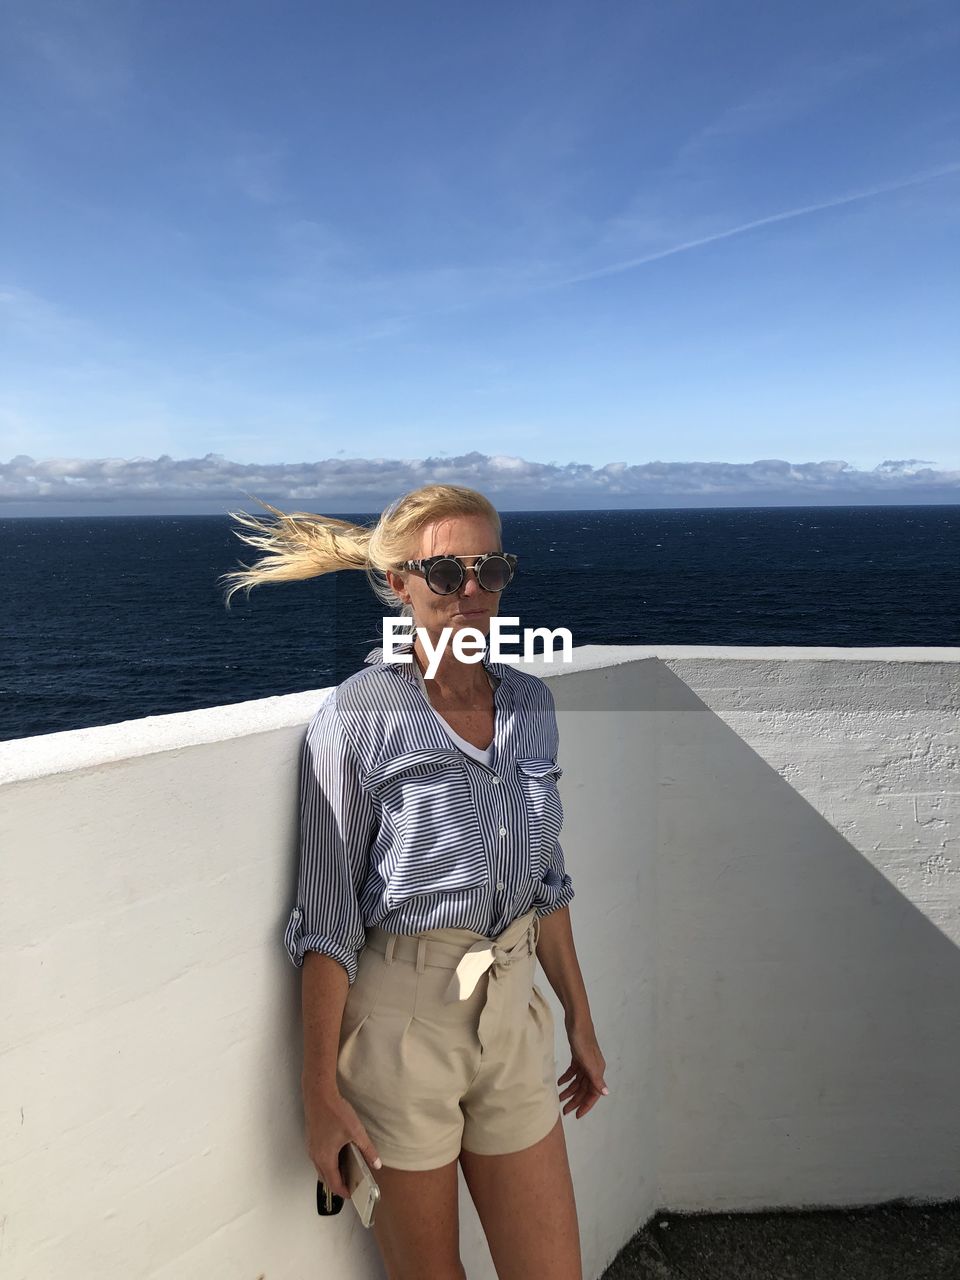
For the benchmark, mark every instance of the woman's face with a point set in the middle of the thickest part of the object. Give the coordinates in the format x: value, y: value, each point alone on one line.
x: 471, y: 606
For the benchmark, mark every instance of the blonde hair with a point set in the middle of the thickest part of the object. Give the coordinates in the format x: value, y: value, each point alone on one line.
x: 299, y: 544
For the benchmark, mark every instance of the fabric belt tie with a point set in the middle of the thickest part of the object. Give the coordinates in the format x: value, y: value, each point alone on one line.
x: 477, y: 960
x: 471, y: 964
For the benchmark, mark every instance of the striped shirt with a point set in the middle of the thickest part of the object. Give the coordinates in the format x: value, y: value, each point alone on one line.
x: 400, y: 828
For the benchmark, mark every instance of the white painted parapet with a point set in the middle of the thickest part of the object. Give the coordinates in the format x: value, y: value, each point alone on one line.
x: 765, y: 847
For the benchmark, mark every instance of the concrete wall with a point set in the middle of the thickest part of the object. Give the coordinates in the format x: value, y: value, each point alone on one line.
x: 764, y: 844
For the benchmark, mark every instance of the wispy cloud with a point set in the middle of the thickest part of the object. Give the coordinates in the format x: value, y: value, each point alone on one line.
x: 257, y: 169
x: 630, y: 264
x: 351, y: 483
x: 795, y: 90
x: 387, y: 304
x: 32, y: 318
x: 82, y: 50
x: 795, y: 103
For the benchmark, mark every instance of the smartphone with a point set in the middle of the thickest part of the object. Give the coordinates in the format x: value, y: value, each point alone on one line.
x: 360, y: 1182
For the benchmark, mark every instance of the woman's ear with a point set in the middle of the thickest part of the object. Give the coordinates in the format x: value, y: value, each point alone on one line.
x: 395, y: 581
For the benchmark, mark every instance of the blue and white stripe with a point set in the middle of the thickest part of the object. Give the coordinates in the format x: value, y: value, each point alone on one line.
x: 400, y: 828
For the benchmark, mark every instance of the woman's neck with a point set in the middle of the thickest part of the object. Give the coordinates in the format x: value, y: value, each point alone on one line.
x: 453, y: 682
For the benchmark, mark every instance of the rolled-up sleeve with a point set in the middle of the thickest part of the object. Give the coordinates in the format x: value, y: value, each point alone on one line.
x: 337, y: 825
x: 555, y: 889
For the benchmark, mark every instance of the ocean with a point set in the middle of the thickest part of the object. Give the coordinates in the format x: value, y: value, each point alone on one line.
x: 112, y: 618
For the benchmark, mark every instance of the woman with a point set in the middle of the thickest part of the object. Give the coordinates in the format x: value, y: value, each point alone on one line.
x: 430, y: 881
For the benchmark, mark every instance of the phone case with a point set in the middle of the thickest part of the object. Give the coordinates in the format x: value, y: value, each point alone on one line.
x: 327, y: 1203
x: 360, y: 1182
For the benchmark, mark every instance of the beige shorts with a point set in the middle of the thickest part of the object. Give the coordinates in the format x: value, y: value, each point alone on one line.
x: 430, y: 1069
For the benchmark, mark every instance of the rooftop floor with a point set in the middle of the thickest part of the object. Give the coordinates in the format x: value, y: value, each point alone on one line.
x: 896, y: 1241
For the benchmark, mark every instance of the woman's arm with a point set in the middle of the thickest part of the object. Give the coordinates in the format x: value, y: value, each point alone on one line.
x: 555, y: 949
x: 585, y: 1077
x: 337, y: 826
x: 323, y: 997
x: 558, y: 958
x: 325, y: 933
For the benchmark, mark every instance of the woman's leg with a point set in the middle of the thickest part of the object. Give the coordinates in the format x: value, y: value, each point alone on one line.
x: 526, y: 1205
x: 417, y: 1223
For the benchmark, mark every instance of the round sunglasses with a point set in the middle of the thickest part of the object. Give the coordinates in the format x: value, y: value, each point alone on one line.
x: 445, y: 574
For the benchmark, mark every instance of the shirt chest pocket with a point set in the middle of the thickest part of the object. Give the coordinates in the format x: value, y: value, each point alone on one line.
x: 537, y: 776
x: 425, y: 800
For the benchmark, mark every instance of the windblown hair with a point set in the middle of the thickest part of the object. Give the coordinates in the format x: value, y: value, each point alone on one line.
x: 299, y: 544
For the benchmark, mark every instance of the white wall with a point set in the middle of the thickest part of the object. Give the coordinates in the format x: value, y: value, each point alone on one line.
x: 765, y: 849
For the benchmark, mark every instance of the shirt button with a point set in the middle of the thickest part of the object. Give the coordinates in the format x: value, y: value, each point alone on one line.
x: 503, y: 831
x: 495, y: 781
x: 499, y: 884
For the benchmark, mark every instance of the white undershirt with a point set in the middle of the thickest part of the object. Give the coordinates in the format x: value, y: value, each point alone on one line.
x: 483, y: 754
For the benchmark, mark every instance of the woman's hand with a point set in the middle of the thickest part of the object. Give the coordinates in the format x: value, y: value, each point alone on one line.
x: 585, y: 1072
x: 331, y: 1123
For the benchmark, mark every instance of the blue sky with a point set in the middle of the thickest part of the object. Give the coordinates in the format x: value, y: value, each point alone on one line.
x: 544, y: 236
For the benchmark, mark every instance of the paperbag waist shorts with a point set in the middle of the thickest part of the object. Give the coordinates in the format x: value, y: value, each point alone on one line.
x: 447, y: 1043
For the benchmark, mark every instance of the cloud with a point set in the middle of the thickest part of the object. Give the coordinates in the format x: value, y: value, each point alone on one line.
x: 83, y: 50
x: 351, y: 484
x: 868, y: 193
x: 36, y: 322
x: 257, y: 169
x: 795, y: 91
x: 27, y: 315
x: 322, y: 273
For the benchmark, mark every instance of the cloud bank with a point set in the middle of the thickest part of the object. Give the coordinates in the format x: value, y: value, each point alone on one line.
x: 214, y: 483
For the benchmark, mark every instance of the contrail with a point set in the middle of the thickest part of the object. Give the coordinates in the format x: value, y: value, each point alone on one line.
x: 630, y: 263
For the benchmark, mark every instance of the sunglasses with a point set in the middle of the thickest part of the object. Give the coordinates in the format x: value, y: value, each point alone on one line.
x: 445, y: 574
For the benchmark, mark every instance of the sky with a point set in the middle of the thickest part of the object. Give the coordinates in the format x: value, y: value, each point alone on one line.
x: 659, y: 253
